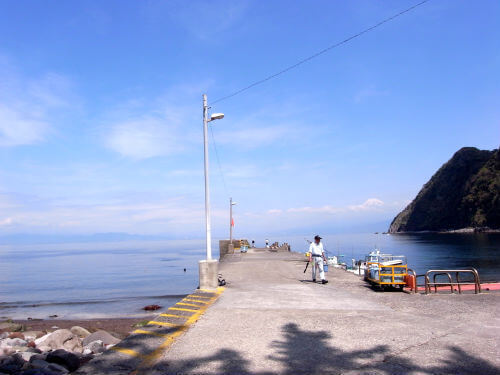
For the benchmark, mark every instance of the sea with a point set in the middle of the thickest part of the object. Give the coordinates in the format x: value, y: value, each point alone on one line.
x: 96, y: 280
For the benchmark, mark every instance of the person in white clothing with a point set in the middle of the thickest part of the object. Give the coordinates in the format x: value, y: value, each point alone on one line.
x: 316, y: 258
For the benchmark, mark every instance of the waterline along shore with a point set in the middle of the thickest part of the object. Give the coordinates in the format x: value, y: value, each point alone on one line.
x: 271, y: 318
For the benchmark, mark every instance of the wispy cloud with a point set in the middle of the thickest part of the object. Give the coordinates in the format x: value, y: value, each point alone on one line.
x: 368, y: 205
x: 145, y: 128
x: 28, y: 106
x: 144, y: 138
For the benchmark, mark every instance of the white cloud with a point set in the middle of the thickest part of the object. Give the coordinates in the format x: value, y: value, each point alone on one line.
x: 144, y: 138
x: 369, y: 204
x: 274, y: 211
x: 29, y: 106
x: 21, y: 128
x: 6, y: 221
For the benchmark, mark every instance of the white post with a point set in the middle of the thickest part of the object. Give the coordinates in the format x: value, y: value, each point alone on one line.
x: 230, y: 220
x: 207, y: 188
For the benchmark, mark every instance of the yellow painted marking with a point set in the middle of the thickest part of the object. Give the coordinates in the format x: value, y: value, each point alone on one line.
x: 151, y: 358
x: 198, y: 296
x: 174, y: 316
x: 129, y: 352
x: 166, y: 324
x: 194, y: 300
x: 179, y: 309
x: 187, y: 304
x: 144, y: 332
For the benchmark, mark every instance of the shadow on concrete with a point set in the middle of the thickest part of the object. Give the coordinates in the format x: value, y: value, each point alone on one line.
x: 309, y: 352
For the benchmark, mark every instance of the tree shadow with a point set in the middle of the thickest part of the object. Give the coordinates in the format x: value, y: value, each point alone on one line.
x: 309, y: 352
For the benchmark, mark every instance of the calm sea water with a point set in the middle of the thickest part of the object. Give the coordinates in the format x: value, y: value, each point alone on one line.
x: 97, y: 280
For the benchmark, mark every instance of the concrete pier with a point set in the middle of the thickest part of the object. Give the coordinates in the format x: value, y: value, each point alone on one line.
x: 272, y: 319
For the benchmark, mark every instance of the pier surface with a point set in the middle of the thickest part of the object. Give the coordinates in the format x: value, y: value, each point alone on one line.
x: 271, y: 319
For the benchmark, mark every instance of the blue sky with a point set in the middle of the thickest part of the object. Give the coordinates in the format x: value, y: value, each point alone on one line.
x: 100, y: 111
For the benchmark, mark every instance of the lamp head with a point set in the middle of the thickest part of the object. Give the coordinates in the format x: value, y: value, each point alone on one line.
x: 216, y: 116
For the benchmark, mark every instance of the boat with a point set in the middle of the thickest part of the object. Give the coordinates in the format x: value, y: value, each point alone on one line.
x: 386, y: 270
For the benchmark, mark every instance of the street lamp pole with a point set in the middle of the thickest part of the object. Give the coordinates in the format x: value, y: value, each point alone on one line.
x: 230, y: 220
x: 208, y: 267
x: 207, y: 187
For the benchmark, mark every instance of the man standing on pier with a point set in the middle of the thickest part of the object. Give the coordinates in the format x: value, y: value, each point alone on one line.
x: 317, y: 257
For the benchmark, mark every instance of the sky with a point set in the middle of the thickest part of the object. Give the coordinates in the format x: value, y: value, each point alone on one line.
x: 101, y: 112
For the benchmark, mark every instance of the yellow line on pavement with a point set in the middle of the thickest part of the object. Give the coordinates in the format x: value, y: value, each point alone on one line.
x: 129, y: 352
x: 144, y: 332
x: 153, y: 357
x: 174, y: 316
x: 188, y: 304
x: 195, y: 300
x: 165, y: 324
x: 179, y: 309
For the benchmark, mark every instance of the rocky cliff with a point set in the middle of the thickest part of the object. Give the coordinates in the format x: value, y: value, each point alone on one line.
x: 463, y: 193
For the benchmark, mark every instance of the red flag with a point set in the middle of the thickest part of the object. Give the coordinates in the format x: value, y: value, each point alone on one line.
x: 232, y: 222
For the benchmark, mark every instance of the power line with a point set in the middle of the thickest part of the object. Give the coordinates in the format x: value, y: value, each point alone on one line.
x: 319, y: 53
x: 218, y: 161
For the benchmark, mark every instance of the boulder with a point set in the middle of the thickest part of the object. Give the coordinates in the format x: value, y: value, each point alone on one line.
x: 16, y: 335
x: 33, y: 335
x: 103, y: 336
x: 60, y: 339
x: 26, y: 356
x: 4, y: 335
x: 80, y: 331
x: 69, y: 360
x: 39, y: 363
x: 57, y: 369
x: 41, y: 357
x: 13, y: 342
x: 96, y: 346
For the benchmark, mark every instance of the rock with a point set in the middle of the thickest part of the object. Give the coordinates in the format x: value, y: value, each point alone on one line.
x: 60, y: 339
x: 38, y: 371
x: 12, y: 342
x: 33, y: 350
x: 96, y: 346
x: 31, y: 344
x: 33, y: 335
x: 86, y: 358
x: 39, y: 340
x: 26, y: 356
x: 38, y: 363
x: 16, y: 335
x: 41, y: 357
x: 10, y: 368
x: 104, y: 336
x: 80, y: 331
x: 64, y: 358
x: 152, y: 307
x: 11, y: 327
x: 4, y: 335
x: 86, y: 351
x: 58, y: 369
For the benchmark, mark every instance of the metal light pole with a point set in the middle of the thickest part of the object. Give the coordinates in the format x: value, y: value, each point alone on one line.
x: 207, y: 185
x: 208, y: 268
x: 231, y: 204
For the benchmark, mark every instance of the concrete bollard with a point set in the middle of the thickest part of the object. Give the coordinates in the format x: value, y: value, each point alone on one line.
x: 208, y: 270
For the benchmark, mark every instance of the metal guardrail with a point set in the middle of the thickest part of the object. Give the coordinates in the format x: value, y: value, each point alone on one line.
x: 451, y: 283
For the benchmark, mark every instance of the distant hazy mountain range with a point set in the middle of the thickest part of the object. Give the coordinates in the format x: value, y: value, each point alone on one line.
x: 463, y: 195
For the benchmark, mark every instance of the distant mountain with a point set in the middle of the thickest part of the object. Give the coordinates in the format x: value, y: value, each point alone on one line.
x: 463, y: 193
